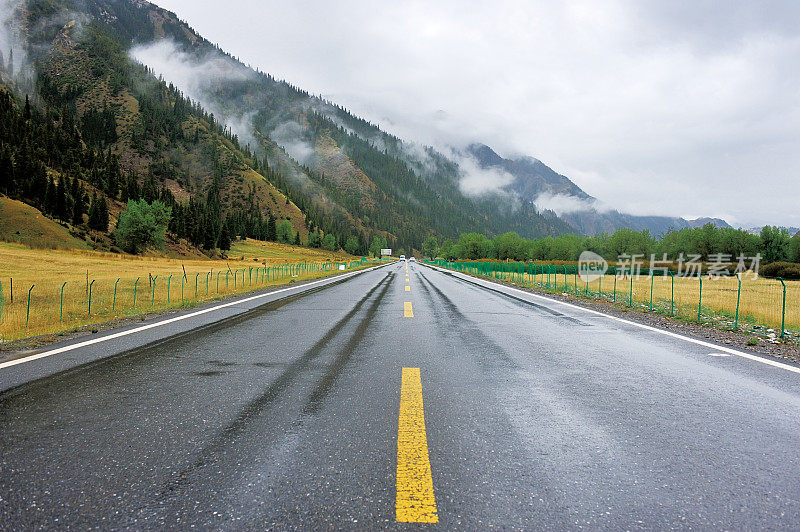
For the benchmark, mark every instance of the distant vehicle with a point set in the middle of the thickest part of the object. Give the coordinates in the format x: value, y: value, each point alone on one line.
x: 413, y: 259
x: 402, y: 257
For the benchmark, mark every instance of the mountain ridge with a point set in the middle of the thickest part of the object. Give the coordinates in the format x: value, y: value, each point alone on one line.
x: 533, y: 179
x: 186, y: 114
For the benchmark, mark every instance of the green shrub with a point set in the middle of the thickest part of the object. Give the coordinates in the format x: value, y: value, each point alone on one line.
x: 141, y: 225
x: 785, y: 270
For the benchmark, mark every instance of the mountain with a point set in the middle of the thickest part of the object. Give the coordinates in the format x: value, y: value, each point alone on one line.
x: 153, y: 109
x: 535, y: 182
x: 757, y: 230
x: 180, y: 111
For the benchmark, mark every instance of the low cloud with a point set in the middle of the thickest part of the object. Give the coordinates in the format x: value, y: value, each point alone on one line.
x: 199, y: 77
x: 10, y: 35
x: 289, y: 135
x: 565, y: 204
x: 477, y: 181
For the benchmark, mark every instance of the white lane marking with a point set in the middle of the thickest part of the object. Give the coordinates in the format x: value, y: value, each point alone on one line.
x: 671, y: 334
x: 718, y: 355
x: 168, y: 321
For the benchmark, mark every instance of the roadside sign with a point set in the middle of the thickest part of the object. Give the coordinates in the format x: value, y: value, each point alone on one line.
x: 386, y: 252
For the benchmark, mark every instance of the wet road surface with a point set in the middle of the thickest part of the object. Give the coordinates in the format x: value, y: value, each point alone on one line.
x: 307, y: 412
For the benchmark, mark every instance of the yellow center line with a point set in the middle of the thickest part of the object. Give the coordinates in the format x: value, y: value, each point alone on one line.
x: 408, y: 311
x: 415, y: 501
x: 408, y: 288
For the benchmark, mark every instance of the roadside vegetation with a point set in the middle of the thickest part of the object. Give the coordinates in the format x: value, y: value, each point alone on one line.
x: 163, y: 283
x: 758, y: 308
x: 708, y: 242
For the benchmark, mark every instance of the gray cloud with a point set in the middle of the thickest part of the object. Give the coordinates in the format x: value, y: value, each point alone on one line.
x: 289, y: 135
x: 10, y: 40
x: 197, y: 77
x: 564, y: 204
x: 674, y: 108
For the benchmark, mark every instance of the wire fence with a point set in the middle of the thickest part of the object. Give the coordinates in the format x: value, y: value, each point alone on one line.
x: 744, y: 302
x: 35, y: 304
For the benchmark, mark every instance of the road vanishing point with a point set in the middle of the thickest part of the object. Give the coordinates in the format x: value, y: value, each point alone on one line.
x: 401, y: 396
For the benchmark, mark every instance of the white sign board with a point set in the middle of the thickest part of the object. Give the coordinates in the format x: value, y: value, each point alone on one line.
x: 341, y: 267
x: 386, y: 252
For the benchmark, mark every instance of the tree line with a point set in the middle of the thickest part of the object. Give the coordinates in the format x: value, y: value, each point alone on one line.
x: 774, y: 244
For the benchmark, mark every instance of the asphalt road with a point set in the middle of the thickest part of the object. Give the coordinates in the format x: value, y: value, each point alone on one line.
x: 536, y: 415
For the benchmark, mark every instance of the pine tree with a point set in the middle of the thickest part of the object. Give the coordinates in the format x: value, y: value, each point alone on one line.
x: 224, y: 238
x: 6, y: 172
x: 209, y: 233
x: 26, y: 114
x: 103, y: 214
x: 130, y: 192
x: 95, y: 221
x: 40, y: 185
x: 272, y: 229
x: 297, y: 239
x: 78, y: 207
x: 61, y: 199
x: 50, y: 197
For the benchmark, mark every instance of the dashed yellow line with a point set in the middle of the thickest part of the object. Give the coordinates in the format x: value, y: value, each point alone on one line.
x: 408, y: 311
x: 415, y: 501
x: 408, y: 288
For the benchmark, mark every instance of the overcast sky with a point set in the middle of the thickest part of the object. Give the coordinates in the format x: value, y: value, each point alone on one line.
x: 678, y: 108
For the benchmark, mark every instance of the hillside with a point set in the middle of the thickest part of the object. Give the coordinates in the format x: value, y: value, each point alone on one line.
x: 346, y: 172
x: 158, y: 112
x: 23, y: 224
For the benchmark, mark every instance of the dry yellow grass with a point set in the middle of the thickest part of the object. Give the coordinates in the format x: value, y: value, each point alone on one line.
x: 22, y: 223
x: 760, y: 304
x: 252, y: 265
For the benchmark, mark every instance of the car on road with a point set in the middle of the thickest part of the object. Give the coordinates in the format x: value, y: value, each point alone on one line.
x: 402, y: 257
x: 412, y: 259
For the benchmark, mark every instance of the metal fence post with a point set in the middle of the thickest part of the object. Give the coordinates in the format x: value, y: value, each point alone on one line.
x: 2, y: 301
x: 700, y: 299
x: 208, y: 275
x: 135, y: 285
x: 61, y: 311
x: 672, y: 298
x: 28, y: 312
x: 651, y: 289
x: 114, y: 301
x: 738, y: 298
x: 615, y: 286
x: 783, y: 308
x: 89, y: 313
x: 169, y: 282
x: 153, y: 298
x: 195, y: 284
x: 630, y: 297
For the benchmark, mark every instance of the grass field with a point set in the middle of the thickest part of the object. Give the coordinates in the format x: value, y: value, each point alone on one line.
x: 760, y: 304
x: 161, y: 282
x: 24, y: 224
